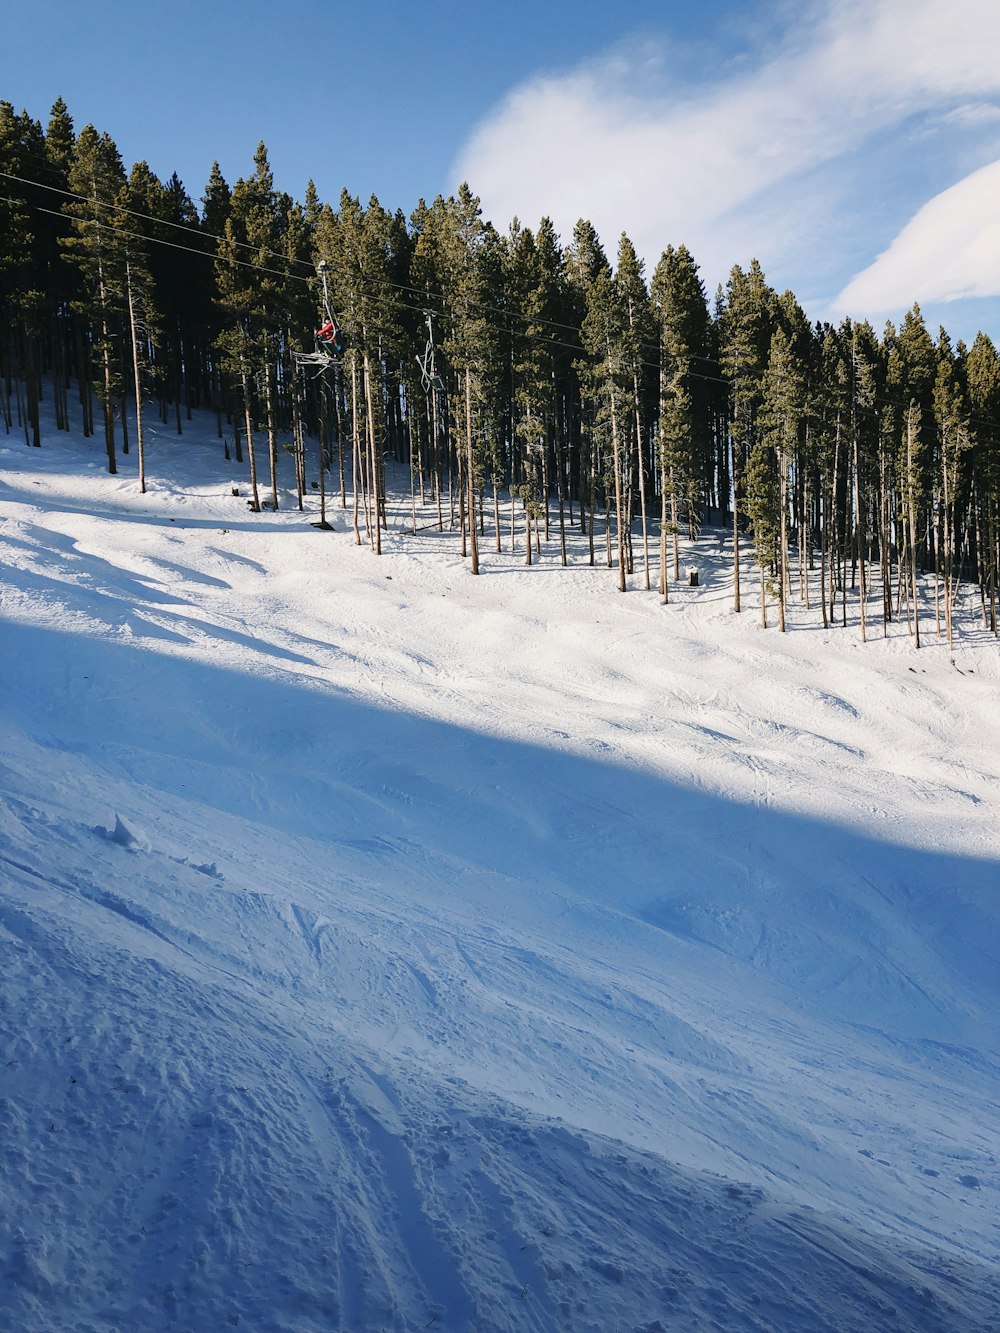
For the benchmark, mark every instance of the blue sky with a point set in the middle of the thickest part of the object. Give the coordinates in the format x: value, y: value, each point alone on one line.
x: 853, y: 146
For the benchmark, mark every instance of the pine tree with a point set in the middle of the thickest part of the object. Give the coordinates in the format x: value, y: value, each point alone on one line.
x: 919, y: 369
x: 235, y: 340
x: 861, y: 371
x: 531, y: 367
x: 951, y: 419
x: 471, y: 269
x: 608, y: 381
x: 746, y: 326
x: 184, y: 294
x: 637, y: 342
x: 683, y: 323
x: 134, y: 285
x: 215, y: 211
x: 21, y: 302
x: 250, y: 280
x: 983, y: 381
x: 359, y: 244
x: 585, y: 260
x: 58, y: 283
x: 98, y: 176
x: 781, y: 417
x: 554, y: 314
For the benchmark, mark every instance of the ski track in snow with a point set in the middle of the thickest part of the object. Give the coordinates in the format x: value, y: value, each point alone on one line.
x: 384, y: 948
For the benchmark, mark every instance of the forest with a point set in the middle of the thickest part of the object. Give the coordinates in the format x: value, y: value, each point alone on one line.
x: 528, y: 387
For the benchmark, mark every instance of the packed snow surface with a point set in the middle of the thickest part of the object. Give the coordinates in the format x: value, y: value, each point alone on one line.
x: 384, y: 948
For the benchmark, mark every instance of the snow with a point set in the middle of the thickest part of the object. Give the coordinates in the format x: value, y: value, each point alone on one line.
x: 385, y: 948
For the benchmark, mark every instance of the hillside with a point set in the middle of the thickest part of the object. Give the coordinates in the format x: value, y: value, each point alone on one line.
x: 384, y: 948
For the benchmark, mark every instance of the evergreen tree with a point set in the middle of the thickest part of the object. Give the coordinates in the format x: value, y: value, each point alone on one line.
x: 682, y: 318
x: 134, y: 285
x: 359, y: 244
x: 951, y: 419
x: 472, y: 269
x: 554, y: 315
x: 781, y: 417
x: 983, y: 387
x: 531, y: 369
x: 746, y: 325
x: 97, y: 176
x: 761, y: 501
x: 637, y: 342
x: 21, y: 303
x: 607, y: 383
x: 184, y: 293
x: 215, y: 210
x: 59, y: 280
x: 585, y: 262
x: 861, y: 371
x: 251, y: 281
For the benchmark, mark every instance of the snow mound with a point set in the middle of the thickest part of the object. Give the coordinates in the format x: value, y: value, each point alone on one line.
x: 123, y: 836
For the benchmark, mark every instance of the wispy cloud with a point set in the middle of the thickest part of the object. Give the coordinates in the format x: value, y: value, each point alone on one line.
x: 752, y: 159
x: 973, y: 113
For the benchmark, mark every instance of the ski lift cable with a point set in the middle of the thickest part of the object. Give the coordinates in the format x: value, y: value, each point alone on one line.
x: 193, y: 232
x: 246, y: 245
x: 880, y: 400
x: 203, y: 235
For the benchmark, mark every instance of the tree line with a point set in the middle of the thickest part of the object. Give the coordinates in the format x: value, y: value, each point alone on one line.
x: 530, y: 387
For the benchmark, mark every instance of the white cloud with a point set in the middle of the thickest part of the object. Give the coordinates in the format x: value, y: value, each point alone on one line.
x: 949, y: 250
x: 733, y: 166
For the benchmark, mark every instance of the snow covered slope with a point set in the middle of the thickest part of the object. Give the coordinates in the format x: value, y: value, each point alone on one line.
x: 384, y: 948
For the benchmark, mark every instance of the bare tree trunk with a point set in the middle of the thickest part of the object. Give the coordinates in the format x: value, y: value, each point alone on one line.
x: 470, y: 468
x: 299, y: 437
x: 664, y: 580
x: 561, y: 474
x: 106, y: 397
x: 140, y: 443
x: 108, y: 406
x: 31, y: 389
x: 357, y: 472
x: 763, y: 599
x: 642, y: 482
x: 248, y: 422
x: 859, y: 540
x: 338, y: 409
x: 805, y: 545
x: 783, y: 539
x: 911, y: 506
x: 374, y: 488
x: 824, y: 541
x: 591, y: 497
x: 946, y: 527
x: 461, y: 504
x: 616, y: 454
x: 734, y: 473
x: 123, y: 403
x: 436, y: 457
x: 272, y: 433
x: 324, y: 448
x: 834, y: 545
x: 675, y: 526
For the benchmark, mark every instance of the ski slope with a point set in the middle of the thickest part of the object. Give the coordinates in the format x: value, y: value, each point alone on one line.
x: 385, y: 948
